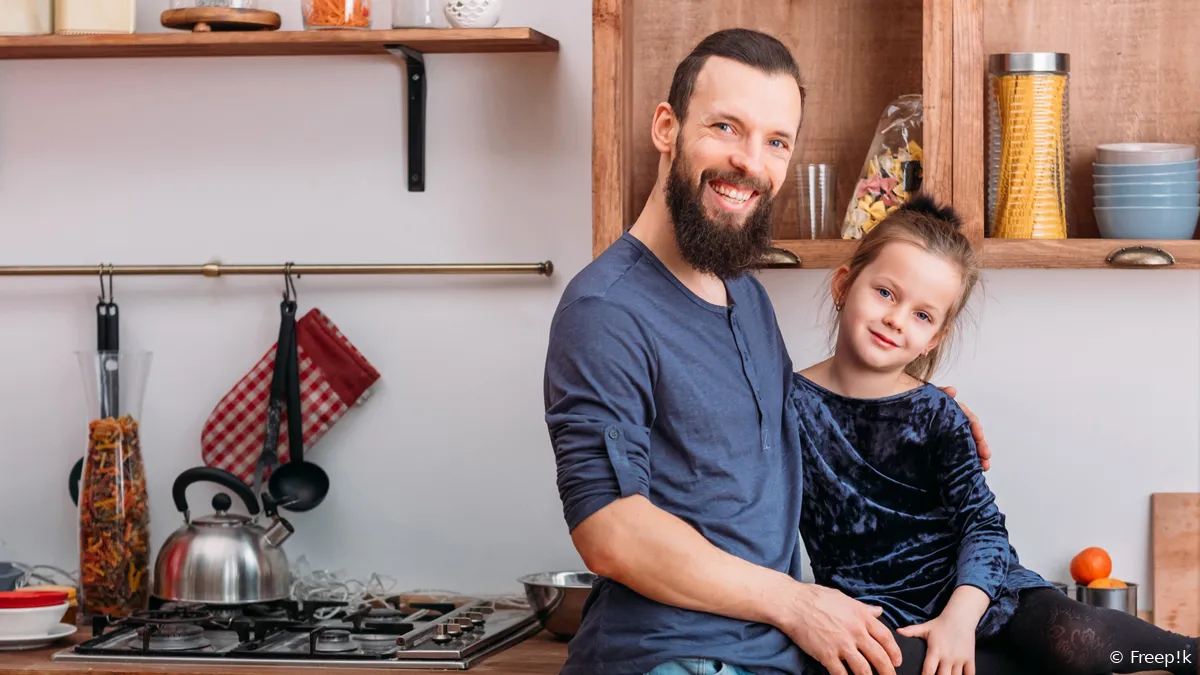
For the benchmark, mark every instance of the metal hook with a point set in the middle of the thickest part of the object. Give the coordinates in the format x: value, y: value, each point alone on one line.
x: 111, y: 297
x: 102, y: 298
x: 289, y: 288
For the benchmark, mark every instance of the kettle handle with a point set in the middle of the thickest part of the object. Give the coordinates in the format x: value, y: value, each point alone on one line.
x: 213, y: 475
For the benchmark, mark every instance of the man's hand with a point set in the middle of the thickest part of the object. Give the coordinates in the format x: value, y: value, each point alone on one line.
x: 950, y: 646
x: 832, y: 627
x: 976, y: 429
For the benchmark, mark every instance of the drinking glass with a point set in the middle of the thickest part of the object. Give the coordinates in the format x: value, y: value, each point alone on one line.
x: 816, y: 192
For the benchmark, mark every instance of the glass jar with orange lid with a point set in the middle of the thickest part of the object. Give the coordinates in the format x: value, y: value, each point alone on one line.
x: 320, y: 14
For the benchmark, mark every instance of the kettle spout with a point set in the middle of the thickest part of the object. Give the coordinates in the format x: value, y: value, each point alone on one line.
x: 278, y: 532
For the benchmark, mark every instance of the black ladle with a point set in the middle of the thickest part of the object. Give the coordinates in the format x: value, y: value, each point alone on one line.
x: 297, y: 485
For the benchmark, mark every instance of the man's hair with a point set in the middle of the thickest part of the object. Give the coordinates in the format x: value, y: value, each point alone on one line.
x: 750, y: 47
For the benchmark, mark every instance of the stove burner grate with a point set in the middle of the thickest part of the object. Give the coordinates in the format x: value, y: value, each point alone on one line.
x: 168, y: 614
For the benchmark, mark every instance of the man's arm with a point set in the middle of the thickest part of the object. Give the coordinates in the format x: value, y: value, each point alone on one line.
x: 600, y: 378
x: 658, y: 555
x: 981, y: 446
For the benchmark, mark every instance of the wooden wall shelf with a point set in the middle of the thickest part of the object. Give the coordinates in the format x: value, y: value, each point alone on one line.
x: 409, y: 45
x: 1081, y: 253
x: 937, y: 48
x: 277, y: 43
x: 818, y: 253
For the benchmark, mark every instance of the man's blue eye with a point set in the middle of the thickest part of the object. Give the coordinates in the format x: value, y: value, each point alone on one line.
x: 885, y: 292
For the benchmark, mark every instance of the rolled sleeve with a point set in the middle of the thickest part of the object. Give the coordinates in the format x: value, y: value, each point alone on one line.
x: 599, y: 405
x: 983, y: 551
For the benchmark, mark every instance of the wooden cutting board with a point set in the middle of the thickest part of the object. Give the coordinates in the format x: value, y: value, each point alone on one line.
x: 1175, y: 541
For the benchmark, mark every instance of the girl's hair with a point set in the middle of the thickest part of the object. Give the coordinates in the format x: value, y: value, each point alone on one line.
x: 936, y: 229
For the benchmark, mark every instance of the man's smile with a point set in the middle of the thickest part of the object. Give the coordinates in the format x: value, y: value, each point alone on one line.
x: 732, y: 197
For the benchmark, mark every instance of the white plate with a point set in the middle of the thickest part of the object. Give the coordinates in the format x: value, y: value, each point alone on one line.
x: 37, y: 641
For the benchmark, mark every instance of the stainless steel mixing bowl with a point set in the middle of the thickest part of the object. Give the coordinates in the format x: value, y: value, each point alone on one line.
x: 558, y: 599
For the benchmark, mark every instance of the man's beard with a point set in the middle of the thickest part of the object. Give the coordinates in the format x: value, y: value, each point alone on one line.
x: 723, y: 249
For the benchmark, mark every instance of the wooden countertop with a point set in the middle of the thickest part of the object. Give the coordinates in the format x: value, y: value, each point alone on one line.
x: 541, y: 654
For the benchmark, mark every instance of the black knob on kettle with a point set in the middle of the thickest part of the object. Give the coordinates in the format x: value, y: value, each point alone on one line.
x: 221, y: 502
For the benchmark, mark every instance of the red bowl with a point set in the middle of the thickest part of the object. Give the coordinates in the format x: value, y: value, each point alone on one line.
x: 31, y: 598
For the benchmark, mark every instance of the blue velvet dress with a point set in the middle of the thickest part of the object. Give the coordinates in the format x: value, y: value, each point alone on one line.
x: 896, y: 510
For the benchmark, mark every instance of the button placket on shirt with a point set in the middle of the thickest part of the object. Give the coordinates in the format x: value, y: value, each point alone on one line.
x: 750, y: 376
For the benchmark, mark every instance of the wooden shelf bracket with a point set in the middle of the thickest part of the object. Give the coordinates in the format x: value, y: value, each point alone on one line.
x: 415, y: 76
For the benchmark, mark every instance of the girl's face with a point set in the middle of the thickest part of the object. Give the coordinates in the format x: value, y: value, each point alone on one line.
x: 897, y: 308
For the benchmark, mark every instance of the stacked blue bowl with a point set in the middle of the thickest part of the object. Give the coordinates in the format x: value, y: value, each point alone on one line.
x: 1146, y: 190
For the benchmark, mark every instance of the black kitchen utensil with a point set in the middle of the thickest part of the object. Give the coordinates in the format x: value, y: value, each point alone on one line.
x: 268, y: 461
x: 297, y: 485
x: 108, y: 346
x: 109, y: 342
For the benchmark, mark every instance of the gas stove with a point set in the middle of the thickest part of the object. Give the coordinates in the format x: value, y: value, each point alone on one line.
x: 405, y: 636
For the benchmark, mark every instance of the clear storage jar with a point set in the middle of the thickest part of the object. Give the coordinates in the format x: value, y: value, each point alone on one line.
x: 336, y: 13
x: 26, y: 17
x: 95, y: 17
x: 1028, y: 146
x: 114, y: 507
x: 419, y: 14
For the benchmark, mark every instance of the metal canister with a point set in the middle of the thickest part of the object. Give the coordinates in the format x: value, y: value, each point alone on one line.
x: 1120, y: 599
x: 1029, y: 146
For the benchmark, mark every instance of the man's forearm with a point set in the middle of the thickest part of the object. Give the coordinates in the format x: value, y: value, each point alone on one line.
x: 660, y: 556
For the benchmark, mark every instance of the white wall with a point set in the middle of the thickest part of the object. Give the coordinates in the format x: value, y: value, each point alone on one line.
x: 273, y: 159
x: 1087, y: 381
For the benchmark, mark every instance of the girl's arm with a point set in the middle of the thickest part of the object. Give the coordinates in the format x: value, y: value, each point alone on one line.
x: 967, y: 606
x: 982, y: 552
x: 983, y: 549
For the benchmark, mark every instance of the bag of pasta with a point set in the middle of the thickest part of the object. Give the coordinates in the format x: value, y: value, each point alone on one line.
x: 892, y: 171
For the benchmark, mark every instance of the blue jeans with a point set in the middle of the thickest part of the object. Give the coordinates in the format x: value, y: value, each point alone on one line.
x: 697, y: 667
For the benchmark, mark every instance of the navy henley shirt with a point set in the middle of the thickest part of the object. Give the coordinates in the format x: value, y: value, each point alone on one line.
x: 651, y: 390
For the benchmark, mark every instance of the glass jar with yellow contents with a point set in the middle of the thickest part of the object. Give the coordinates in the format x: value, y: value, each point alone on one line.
x: 1029, y: 146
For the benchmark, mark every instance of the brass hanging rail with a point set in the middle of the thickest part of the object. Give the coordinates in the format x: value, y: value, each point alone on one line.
x: 216, y: 269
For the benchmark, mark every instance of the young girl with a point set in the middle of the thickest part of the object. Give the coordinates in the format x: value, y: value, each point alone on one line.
x: 896, y: 511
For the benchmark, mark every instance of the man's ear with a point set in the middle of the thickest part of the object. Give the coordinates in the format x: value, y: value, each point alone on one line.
x: 664, y: 129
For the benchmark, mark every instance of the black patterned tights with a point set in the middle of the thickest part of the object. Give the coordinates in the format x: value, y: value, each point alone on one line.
x: 1055, y: 635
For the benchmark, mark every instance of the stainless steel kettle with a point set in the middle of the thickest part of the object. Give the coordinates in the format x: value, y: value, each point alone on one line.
x: 223, y: 558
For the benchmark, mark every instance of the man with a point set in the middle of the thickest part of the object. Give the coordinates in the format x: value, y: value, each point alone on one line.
x: 667, y: 402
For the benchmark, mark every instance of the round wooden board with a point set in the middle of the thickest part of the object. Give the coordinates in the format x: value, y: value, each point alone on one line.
x: 205, y: 19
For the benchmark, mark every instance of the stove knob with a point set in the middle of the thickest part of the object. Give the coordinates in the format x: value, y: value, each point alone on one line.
x: 475, y: 617
x: 441, y: 634
x: 452, y: 628
x: 465, y: 623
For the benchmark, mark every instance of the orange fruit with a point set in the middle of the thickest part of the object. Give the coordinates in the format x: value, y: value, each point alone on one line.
x: 1090, y: 564
x: 1107, y: 582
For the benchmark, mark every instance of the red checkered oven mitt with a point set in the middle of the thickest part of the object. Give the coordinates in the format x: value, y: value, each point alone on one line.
x: 333, y: 377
